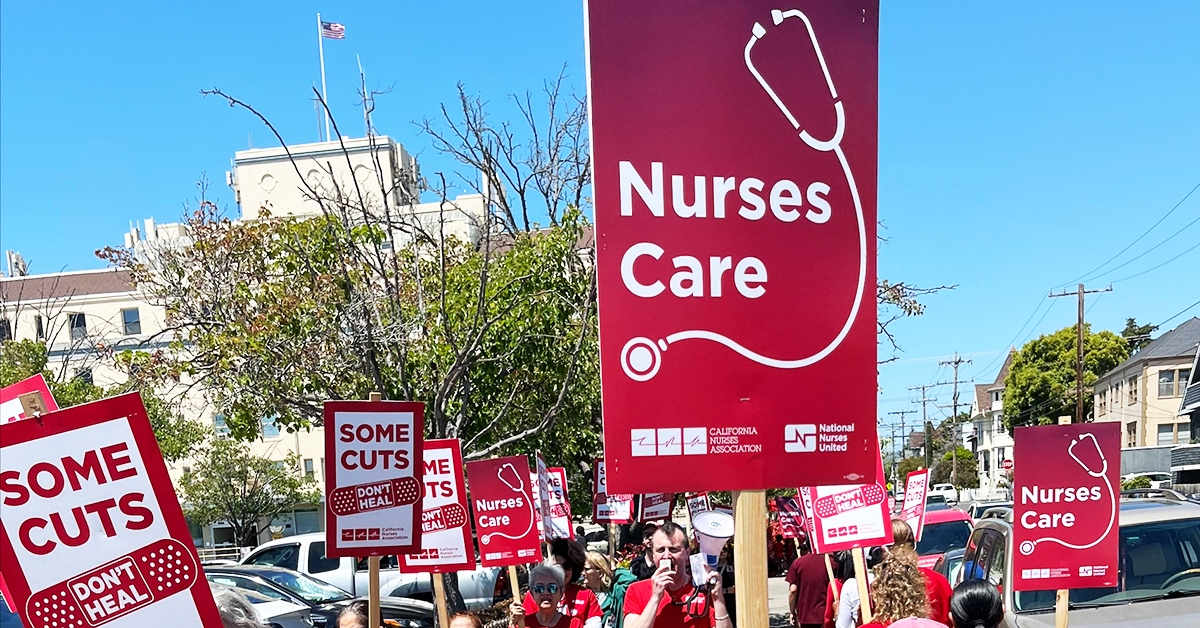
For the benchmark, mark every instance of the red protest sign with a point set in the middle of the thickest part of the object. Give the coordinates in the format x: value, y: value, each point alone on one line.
x: 655, y: 506
x: 445, y: 529
x: 711, y: 254
x: 1065, y: 506
x: 10, y: 402
x: 848, y: 516
x: 609, y: 508
x: 541, y: 500
x: 916, y: 487
x: 559, y: 523
x: 373, y: 483
x: 91, y: 531
x: 502, y: 501
x: 791, y: 517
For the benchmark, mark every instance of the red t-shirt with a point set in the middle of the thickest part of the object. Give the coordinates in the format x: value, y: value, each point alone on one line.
x: 937, y: 591
x: 577, y: 601
x: 674, y: 611
x: 531, y: 621
x: 812, y: 581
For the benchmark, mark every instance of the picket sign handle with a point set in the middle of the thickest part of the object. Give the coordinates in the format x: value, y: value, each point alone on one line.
x: 516, y: 591
x: 750, y: 556
x: 439, y: 598
x: 1061, y: 597
x: 373, y: 614
x: 829, y: 572
x: 860, y: 576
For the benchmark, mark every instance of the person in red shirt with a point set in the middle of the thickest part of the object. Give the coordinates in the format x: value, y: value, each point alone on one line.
x: 546, y: 585
x: 668, y: 599
x: 577, y: 600
x: 808, y: 582
x: 937, y: 588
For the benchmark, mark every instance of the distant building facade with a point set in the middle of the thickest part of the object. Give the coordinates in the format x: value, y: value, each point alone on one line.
x: 991, y: 442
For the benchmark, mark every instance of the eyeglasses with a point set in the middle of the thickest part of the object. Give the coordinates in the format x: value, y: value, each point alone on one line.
x: 545, y: 588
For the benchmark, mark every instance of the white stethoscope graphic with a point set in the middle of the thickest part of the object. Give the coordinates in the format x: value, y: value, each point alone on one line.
x: 1028, y: 546
x: 518, y: 488
x: 641, y: 357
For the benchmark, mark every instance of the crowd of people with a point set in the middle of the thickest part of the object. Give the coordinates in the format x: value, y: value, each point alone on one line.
x: 576, y: 588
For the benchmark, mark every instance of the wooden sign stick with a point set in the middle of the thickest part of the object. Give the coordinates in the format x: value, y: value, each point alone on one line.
x: 860, y: 576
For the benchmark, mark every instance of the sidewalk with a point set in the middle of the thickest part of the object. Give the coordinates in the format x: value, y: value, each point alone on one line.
x: 777, y: 601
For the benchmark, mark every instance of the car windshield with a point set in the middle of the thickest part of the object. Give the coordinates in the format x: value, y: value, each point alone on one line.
x: 310, y: 589
x: 939, y: 538
x: 1156, y: 560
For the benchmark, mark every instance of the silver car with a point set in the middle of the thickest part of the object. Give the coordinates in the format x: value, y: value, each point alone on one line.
x: 1159, y: 571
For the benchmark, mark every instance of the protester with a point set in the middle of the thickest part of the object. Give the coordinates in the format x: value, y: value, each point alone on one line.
x: 898, y: 591
x: 843, y: 570
x: 465, y: 619
x: 807, y: 581
x: 976, y: 604
x: 668, y: 599
x: 609, y: 586
x: 725, y: 568
x: 643, y: 567
x: 233, y: 607
x: 546, y: 586
x: 937, y: 588
x: 356, y: 615
x: 848, y: 605
x: 577, y: 600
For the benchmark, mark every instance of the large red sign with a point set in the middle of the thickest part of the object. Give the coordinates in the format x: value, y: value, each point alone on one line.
x: 502, y: 500
x: 91, y: 532
x: 791, y: 517
x: 912, y: 511
x: 734, y: 148
x: 609, y: 508
x: 373, y: 484
x: 1066, y: 497
x: 445, y: 522
x: 655, y: 506
x: 10, y: 398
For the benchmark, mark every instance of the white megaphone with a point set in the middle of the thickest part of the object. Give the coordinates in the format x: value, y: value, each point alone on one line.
x: 713, y: 528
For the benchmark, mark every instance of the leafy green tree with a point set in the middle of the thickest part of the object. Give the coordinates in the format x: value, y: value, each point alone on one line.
x: 1140, y: 481
x: 228, y: 483
x: 968, y: 472
x: 908, y: 465
x: 1040, y: 387
x: 1136, y: 335
x: 176, y: 435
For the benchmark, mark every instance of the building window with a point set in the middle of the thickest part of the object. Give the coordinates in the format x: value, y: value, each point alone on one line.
x: 78, y: 323
x: 131, y: 321
x: 84, y: 375
x: 41, y: 327
x: 322, y: 468
x: 1184, y: 431
x: 269, y: 429
x: 996, y: 394
x: 1131, y: 434
x: 1172, y: 383
x: 1116, y: 395
x: 1133, y: 390
x: 219, y: 426
x: 1166, y: 434
x: 1102, y: 403
x: 308, y: 468
x: 5, y: 330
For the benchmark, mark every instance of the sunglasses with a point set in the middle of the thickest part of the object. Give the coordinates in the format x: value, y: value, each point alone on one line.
x: 545, y: 588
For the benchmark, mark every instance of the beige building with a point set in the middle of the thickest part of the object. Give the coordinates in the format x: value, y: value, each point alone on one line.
x: 991, y: 442
x: 1144, y: 392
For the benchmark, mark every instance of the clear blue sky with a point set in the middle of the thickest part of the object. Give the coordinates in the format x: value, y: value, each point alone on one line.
x: 1021, y: 144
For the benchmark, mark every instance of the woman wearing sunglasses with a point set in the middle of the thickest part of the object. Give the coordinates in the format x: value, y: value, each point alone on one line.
x: 546, y: 589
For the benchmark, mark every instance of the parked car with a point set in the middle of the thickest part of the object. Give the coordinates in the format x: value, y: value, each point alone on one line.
x: 323, y: 600
x: 1157, y: 480
x: 306, y: 553
x: 1159, y: 571
x: 944, y: 530
x: 977, y: 509
x: 947, y: 492
x: 950, y: 564
x: 277, y: 613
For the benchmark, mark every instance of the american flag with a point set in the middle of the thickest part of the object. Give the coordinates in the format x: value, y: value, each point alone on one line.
x: 333, y: 30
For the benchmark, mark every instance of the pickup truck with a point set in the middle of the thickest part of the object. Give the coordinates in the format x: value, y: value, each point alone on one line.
x: 306, y: 553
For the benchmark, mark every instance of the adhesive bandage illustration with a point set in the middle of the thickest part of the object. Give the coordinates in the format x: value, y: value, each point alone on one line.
x: 641, y: 357
x: 859, y: 497
x: 113, y: 590
x: 445, y: 517
x: 351, y: 500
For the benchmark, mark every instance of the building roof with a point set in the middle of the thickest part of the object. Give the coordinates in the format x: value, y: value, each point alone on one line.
x: 1004, y: 369
x: 1191, y: 397
x: 1177, y: 343
x: 64, y: 285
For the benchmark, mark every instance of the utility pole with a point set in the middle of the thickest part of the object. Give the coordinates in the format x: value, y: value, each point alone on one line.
x: 1080, y: 292
x: 904, y: 435
x: 954, y: 417
x: 925, y: 425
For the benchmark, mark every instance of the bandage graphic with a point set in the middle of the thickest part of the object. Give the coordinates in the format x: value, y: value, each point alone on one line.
x: 1097, y: 467
x: 641, y: 357
x: 858, y: 497
x: 445, y: 517
x: 136, y: 580
x: 351, y: 500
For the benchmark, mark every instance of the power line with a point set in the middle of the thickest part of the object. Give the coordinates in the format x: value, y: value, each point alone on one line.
x: 1014, y: 338
x: 1144, y: 253
x: 1180, y: 312
x: 1139, y: 239
x: 1189, y: 250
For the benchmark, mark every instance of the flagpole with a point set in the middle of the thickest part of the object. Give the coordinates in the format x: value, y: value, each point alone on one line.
x: 324, y: 94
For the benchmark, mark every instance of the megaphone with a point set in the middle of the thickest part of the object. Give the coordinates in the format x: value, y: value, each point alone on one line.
x: 713, y: 528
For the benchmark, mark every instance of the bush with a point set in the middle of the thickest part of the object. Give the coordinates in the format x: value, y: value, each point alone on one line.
x: 1140, y: 481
